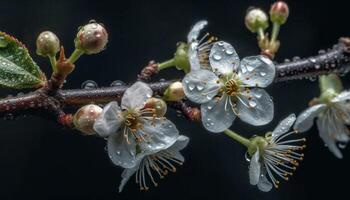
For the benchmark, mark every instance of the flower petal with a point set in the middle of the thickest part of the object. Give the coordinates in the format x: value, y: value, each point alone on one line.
x: 254, y: 168
x: 195, y: 31
x: 174, y: 150
x: 193, y: 56
x: 306, y: 119
x: 256, y: 71
x: 223, y: 58
x: 255, y: 107
x: 264, y: 185
x: 323, y: 125
x: 127, y: 173
x: 181, y: 143
x: 122, y: 152
x: 135, y: 96
x: 217, y: 114
x: 110, y: 120
x: 160, y: 134
x: 201, y: 86
x: 343, y: 96
x: 283, y: 126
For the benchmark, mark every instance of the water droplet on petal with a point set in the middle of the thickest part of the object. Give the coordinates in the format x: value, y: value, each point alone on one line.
x: 263, y: 73
x: 252, y: 103
x: 200, y: 87
x: 229, y: 51
x: 191, y: 86
x: 217, y: 57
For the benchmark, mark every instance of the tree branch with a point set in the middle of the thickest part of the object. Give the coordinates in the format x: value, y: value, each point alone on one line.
x: 50, y: 102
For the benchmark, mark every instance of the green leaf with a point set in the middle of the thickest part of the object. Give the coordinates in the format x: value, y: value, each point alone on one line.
x: 17, y: 68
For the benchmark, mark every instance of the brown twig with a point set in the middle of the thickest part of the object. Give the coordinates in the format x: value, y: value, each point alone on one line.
x: 50, y: 101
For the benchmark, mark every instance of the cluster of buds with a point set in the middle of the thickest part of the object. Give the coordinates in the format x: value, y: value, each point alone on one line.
x: 91, y: 39
x: 256, y: 21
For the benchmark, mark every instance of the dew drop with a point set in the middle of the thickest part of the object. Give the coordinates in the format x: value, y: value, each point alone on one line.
x: 217, y: 57
x: 117, y: 83
x: 229, y: 51
x: 191, y: 86
x: 89, y: 84
x: 252, y: 103
x: 313, y: 60
x: 200, y: 87
x: 221, y: 43
x: 263, y: 73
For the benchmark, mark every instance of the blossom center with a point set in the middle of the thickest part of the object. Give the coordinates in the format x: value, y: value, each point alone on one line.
x: 132, y: 122
x: 232, y: 88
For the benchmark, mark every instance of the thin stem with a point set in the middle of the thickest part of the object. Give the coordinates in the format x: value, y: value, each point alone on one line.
x: 275, y: 32
x: 261, y: 33
x: 166, y: 64
x: 238, y: 137
x: 53, y: 63
x: 75, y: 55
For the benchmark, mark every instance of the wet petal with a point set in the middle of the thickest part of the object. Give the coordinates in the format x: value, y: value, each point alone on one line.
x: 223, y: 58
x: 160, y: 134
x: 127, y: 173
x: 110, y: 120
x: 343, y: 96
x: 264, y: 185
x: 256, y: 71
x: 336, y: 127
x: 254, y: 168
x: 193, y: 56
x: 200, y: 86
x: 195, y: 31
x: 181, y: 143
x: 323, y: 125
x: 283, y: 126
x: 255, y: 107
x: 306, y: 119
x: 122, y: 152
x: 135, y: 96
x: 217, y: 114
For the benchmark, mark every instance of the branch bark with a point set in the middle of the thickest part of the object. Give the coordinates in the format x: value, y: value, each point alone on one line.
x: 49, y: 103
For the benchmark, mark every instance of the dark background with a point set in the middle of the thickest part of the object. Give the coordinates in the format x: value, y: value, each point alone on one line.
x: 40, y: 160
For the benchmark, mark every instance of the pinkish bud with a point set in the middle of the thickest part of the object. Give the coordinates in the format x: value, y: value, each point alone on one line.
x: 279, y: 12
x: 91, y: 38
x: 85, y: 118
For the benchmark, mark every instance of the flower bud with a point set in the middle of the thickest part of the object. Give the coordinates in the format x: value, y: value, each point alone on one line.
x: 181, y: 59
x: 158, y: 105
x: 91, y: 38
x: 174, y: 92
x: 279, y: 12
x: 85, y: 118
x: 256, y: 19
x: 47, y: 44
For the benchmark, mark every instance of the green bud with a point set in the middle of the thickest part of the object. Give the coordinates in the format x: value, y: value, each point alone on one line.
x: 181, y: 59
x: 91, y: 38
x: 85, y: 118
x: 47, y: 44
x: 158, y: 105
x: 256, y: 19
x: 279, y: 12
x: 174, y: 92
